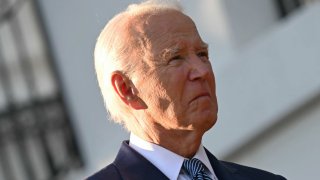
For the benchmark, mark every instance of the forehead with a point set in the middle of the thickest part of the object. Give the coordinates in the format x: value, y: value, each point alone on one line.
x: 169, y: 29
x: 168, y: 20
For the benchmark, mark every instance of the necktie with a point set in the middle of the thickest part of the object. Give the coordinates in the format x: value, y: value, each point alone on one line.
x: 195, y: 168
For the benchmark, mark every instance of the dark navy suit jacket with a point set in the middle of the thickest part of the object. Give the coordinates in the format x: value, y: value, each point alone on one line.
x: 130, y: 165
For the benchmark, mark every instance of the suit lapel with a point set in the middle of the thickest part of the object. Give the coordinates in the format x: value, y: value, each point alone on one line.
x: 222, y: 171
x: 134, y: 166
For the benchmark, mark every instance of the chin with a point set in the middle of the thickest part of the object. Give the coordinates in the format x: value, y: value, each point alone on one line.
x: 205, y: 121
x: 211, y: 122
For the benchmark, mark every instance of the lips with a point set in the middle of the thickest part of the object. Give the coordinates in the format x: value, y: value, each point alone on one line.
x: 204, y: 94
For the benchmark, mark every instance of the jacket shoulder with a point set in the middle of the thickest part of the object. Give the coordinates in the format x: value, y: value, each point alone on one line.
x: 109, y: 172
x: 252, y: 173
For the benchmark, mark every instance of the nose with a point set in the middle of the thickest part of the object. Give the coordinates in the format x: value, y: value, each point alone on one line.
x: 199, y: 68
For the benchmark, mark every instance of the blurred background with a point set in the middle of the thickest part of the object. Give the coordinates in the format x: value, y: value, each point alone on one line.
x: 265, y: 55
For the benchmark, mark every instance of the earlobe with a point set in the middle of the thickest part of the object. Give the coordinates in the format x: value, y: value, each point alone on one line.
x: 126, y: 91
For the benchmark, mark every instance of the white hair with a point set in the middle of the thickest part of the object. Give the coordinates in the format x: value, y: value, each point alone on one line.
x: 117, y: 49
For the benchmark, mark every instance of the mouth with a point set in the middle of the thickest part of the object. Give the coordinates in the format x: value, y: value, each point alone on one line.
x: 202, y: 95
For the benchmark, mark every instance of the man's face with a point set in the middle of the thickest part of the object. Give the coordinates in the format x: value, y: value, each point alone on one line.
x: 178, y: 83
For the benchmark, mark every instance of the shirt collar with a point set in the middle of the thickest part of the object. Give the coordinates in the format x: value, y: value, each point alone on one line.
x: 202, y: 156
x: 169, y: 163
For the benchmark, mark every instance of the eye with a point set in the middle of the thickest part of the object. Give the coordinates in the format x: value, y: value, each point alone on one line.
x: 174, y: 58
x: 203, y: 55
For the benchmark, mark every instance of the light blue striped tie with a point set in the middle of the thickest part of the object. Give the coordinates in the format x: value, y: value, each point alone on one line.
x: 195, y: 169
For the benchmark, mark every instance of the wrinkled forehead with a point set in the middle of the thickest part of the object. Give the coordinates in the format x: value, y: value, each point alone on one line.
x: 161, y: 30
x: 168, y: 20
x: 162, y: 25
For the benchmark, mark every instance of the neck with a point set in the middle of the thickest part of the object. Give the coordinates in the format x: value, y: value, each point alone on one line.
x: 182, y: 142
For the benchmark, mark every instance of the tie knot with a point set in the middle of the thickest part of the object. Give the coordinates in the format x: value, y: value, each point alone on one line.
x: 194, y: 167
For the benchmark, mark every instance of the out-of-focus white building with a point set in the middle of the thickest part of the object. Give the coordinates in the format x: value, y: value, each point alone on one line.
x: 266, y: 58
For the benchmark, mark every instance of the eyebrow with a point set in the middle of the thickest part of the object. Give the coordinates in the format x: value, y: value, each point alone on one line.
x: 168, y: 52
x: 204, y: 45
x: 171, y: 51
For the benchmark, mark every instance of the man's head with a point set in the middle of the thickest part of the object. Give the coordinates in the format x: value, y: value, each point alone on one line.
x: 154, y: 72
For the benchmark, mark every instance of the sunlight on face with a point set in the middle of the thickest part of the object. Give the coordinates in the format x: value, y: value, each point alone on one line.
x: 178, y: 84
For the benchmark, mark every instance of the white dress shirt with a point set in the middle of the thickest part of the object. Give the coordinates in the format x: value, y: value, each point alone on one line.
x: 169, y: 163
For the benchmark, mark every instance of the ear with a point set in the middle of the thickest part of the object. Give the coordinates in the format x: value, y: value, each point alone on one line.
x: 126, y: 91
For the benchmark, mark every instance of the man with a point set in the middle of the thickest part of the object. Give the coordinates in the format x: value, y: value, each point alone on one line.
x: 155, y: 75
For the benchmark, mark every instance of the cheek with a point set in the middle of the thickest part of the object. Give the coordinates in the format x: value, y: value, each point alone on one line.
x: 164, y: 91
x: 176, y: 91
x: 212, y: 82
x: 174, y: 81
x: 155, y: 95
